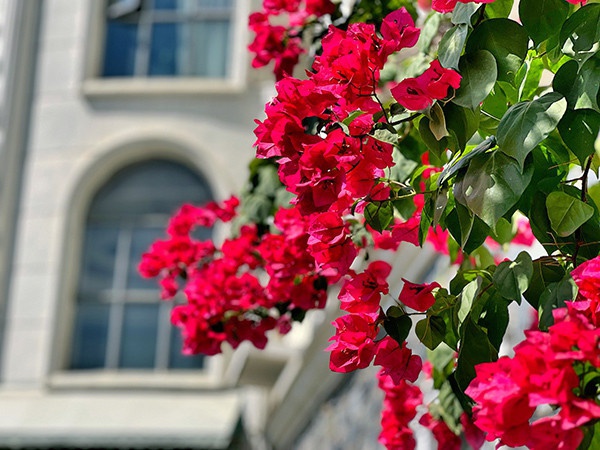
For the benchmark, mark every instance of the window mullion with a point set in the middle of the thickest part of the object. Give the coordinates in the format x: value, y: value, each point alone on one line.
x: 142, y: 54
x: 163, y: 344
x: 117, y: 305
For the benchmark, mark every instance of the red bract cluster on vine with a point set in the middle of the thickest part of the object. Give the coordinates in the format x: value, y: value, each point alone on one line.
x: 383, y: 143
x: 227, y: 297
x: 549, y: 368
x: 283, y: 44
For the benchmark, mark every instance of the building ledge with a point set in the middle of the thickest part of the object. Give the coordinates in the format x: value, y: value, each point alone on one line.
x: 118, y: 419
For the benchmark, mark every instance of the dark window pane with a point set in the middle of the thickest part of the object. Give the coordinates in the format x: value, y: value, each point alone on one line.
x: 151, y: 187
x: 215, y: 4
x: 138, y: 341
x: 89, y: 336
x: 177, y: 360
x: 208, y: 48
x: 98, y: 263
x: 163, y: 50
x: 165, y: 4
x: 140, y: 242
x: 120, y: 49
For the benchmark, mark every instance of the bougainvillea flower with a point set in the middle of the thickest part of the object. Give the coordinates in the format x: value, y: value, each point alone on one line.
x: 399, y: 409
x: 397, y: 360
x: 362, y: 292
x: 445, y: 6
x: 354, y: 343
x: 418, y: 296
x: 411, y: 94
x: 399, y: 27
x: 420, y: 92
x: 587, y: 278
x: 444, y: 436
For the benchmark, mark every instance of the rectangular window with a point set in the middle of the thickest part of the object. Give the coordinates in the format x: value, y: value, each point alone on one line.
x: 168, y: 38
x: 166, y: 47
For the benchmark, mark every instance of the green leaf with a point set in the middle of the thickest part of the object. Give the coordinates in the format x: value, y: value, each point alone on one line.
x: 492, y: 186
x: 579, y: 86
x: 386, y: 135
x: 475, y: 348
x: 526, y: 124
x: 462, y: 124
x: 449, y: 408
x: 495, y: 104
x: 503, y: 233
x: 463, y: 12
x: 580, y: 34
x: 257, y: 207
x: 426, y: 220
x: 564, y: 79
x: 542, y: 18
x: 506, y: 40
x: 554, y: 296
x: 428, y: 31
x: 532, y: 80
x: 268, y: 180
x: 594, y: 193
x: 586, y: 88
x: 460, y: 228
x: 403, y: 167
x: 451, y: 46
x: 437, y: 147
x: 466, y: 298
x: 495, y: 319
x: 444, y: 307
x: 478, y: 70
x: 397, y: 324
x: 431, y: 331
x: 512, y: 277
x: 441, y: 357
x: 461, y: 162
x: 566, y: 213
x: 543, y: 274
x: 499, y: 8
x: 379, y: 215
x: 591, y: 436
x: 441, y: 200
x: 579, y: 130
x: 437, y: 122
x: 541, y: 228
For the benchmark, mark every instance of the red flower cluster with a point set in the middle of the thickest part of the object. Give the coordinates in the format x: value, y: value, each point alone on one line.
x: 418, y: 296
x: 355, y: 345
x: 546, y: 369
x: 399, y: 409
x: 362, y: 292
x: 445, y: 437
x: 281, y: 43
x: 330, y: 167
x: 433, y: 84
x: 445, y: 6
x: 227, y: 298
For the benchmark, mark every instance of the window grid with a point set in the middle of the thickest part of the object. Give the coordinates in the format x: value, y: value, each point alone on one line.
x: 147, y: 18
x: 112, y: 331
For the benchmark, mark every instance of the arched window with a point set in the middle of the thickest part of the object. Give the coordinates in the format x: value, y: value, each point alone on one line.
x: 120, y: 323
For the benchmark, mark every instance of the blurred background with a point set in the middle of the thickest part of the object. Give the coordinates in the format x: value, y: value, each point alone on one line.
x: 112, y: 114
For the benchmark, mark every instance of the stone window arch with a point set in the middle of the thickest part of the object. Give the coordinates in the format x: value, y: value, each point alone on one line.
x: 119, y: 321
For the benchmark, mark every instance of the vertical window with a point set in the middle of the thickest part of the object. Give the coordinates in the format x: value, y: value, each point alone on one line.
x: 166, y: 38
x: 119, y: 321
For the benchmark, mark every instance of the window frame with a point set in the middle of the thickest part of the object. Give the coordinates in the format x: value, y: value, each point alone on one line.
x: 60, y: 376
x: 94, y: 84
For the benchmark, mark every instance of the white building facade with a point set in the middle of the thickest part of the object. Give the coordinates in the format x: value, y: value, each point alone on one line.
x: 112, y: 112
